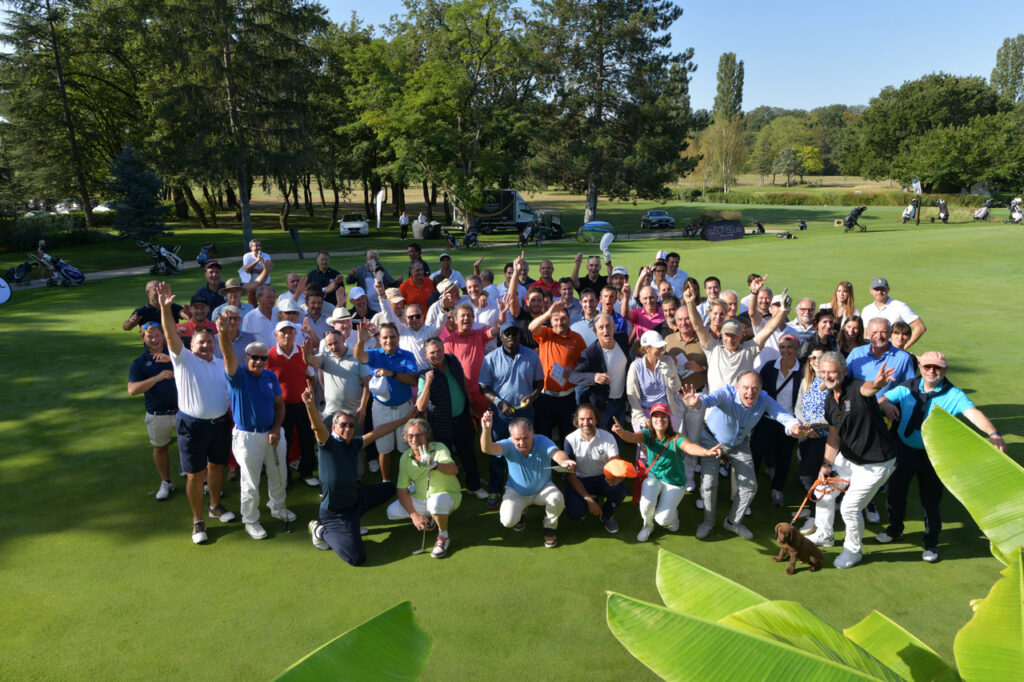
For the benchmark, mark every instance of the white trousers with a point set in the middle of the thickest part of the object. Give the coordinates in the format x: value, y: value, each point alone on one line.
x: 440, y: 503
x: 865, y: 480
x: 659, y: 502
x: 513, y: 504
x: 253, y: 451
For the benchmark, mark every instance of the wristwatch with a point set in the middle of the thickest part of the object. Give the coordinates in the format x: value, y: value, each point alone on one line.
x: 995, y: 434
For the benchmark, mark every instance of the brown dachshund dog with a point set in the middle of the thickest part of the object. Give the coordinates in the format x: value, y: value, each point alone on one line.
x: 799, y: 547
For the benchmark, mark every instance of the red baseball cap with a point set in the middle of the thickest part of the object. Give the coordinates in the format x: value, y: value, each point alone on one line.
x: 661, y: 407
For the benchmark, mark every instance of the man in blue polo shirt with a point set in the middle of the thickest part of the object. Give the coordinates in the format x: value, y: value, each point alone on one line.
x: 395, y: 372
x: 529, y: 459
x: 257, y: 406
x: 153, y: 375
x: 511, y: 378
x: 863, y: 362
x: 733, y: 412
x: 914, y: 400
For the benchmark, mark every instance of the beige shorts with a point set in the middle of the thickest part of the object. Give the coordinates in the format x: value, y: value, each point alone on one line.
x: 160, y: 428
x: 382, y: 414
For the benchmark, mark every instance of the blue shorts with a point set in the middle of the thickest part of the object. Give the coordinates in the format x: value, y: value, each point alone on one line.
x: 201, y: 441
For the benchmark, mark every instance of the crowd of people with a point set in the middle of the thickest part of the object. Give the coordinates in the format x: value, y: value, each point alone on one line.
x: 650, y: 387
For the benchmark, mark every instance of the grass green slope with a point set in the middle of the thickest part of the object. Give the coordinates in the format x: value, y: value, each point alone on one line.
x: 101, y: 581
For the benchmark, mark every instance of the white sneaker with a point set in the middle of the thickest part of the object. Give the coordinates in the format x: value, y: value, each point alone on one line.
x: 673, y: 527
x: 166, y: 488
x: 286, y: 515
x: 884, y: 538
x: 315, y: 530
x: 440, y: 547
x: 312, y: 482
x: 847, y: 559
x: 199, y: 532
x: 822, y: 539
x: 373, y: 466
x: 480, y: 493
x: 808, y: 526
x: 704, y: 530
x: 930, y: 555
x: 255, y: 531
x: 700, y: 504
x: 644, y: 534
x: 871, y: 514
x: 739, y: 529
x: 691, y: 488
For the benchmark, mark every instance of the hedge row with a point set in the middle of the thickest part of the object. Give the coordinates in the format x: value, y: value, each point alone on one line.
x: 68, y: 229
x: 835, y: 198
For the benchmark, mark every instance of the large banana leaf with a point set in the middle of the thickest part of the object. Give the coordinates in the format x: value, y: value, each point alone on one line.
x: 991, y: 646
x: 688, y: 588
x: 389, y: 646
x: 987, y: 482
x: 679, y: 646
x: 791, y: 623
x: 898, y: 649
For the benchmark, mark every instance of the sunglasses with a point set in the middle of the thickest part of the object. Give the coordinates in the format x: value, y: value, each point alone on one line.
x: 932, y: 368
x: 148, y: 325
x: 346, y: 425
x: 413, y: 316
x: 260, y: 358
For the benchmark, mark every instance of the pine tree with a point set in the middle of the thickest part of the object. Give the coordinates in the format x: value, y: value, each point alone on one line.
x: 136, y: 191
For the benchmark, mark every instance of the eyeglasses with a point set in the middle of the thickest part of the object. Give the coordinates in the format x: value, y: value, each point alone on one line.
x: 260, y: 358
x: 233, y: 318
x: 413, y: 316
x: 806, y: 310
x: 932, y: 368
x: 346, y: 425
x: 148, y: 325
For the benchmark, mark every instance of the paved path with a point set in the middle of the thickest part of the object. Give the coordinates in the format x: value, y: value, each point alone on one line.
x: 192, y: 265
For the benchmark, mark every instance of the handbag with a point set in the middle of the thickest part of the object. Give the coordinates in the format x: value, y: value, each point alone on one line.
x: 641, y: 474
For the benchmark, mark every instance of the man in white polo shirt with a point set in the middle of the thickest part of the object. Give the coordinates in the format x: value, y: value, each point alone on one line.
x: 892, y: 310
x: 202, y: 422
x: 261, y: 321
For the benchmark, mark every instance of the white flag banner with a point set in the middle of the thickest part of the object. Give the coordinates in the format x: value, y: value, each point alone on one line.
x: 380, y: 205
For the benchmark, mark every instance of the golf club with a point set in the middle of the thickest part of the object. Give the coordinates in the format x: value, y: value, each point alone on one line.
x: 423, y: 540
x: 287, y: 523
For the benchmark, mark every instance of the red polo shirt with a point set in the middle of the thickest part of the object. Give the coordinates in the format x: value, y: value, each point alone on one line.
x: 290, y: 372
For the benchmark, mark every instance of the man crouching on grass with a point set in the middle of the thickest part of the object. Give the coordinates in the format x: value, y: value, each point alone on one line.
x: 529, y: 458
x: 428, y: 484
x: 344, y: 499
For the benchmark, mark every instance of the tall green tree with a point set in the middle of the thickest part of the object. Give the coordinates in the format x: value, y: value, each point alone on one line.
x: 1008, y: 75
x: 784, y: 131
x: 729, y: 95
x: 136, y: 192
x: 896, y: 119
x: 723, y: 150
x: 620, y: 111
x: 788, y: 163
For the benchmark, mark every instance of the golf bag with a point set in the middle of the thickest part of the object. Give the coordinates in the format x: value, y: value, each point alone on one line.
x: 982, y: 213
x: 204, y: 253
x: 803, y: 224
x: 19, y: 273
x: 61, y: 273
x: 759, y: 227
x: 943, y: 211
x: 165, y: 262
x: 1016, y: 214
x: 850, y: 221
x: 453, y: 243
x: 909, y: 212
x: 469, y: 240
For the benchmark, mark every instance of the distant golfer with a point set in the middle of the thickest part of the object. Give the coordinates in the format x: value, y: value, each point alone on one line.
x: 344, y: 499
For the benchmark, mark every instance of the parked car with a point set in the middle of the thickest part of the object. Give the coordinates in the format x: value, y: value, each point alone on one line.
x: 68, y: 205
x: 105, y: 207
x: 353, y: 224
x: 657, y: 219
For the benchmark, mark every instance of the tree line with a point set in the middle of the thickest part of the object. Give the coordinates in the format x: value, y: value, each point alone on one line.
x: 452, y: 97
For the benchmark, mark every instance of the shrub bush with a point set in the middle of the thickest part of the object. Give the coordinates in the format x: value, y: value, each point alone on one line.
x: 23, y: 234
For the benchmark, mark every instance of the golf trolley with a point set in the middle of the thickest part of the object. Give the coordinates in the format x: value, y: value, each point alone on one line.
x: 61, y: 273
x: 165, y: 262
x: 982, y: 213
x: 850, y: 221
x: 1016, y: 214
x: 204, y: 253
x: 943, y: 210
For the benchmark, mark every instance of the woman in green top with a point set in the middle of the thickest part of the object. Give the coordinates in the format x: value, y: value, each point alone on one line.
x: 664, y: 487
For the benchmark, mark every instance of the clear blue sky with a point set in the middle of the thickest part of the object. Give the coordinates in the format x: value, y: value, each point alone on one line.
x: 804, y: 54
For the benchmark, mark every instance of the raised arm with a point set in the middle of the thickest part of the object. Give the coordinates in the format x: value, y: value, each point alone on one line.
x: 226, y: 349
x: 385, y: 429
x: 703, y: 335
x: 166, y: 299
x: 778, y: 319
x: 628, y: 436
x: 542, y: 319
x: 308, y: 356
x: 624, y: 306
x: 575, y: 276
x: 882, y: 379
x: 362, y: 336
x: 978, y: 418
x: 423, y: 399
x: 487, y: 446
x: 315, y: 420
x: 917, y: 330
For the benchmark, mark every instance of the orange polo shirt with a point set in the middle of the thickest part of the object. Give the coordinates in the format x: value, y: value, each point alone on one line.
x: 558, y: 356
x: 420, y: 295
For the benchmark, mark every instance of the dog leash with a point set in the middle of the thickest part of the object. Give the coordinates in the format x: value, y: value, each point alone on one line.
x: 819, y: 489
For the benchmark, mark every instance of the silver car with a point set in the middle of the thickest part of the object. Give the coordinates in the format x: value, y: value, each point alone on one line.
x: 353, y: 225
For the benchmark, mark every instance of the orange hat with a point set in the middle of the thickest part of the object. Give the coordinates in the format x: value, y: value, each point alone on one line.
x: 619, y: 468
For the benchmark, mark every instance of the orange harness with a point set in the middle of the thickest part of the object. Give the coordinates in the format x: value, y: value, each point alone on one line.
x: 819, y: 489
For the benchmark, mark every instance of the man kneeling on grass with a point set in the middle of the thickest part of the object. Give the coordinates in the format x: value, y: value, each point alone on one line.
x: 428, y: 484
x: 529, y: 458
x: 344, y: 499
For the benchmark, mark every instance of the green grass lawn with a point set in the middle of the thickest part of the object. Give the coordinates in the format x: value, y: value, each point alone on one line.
x: 101, y: 581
